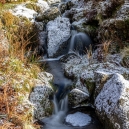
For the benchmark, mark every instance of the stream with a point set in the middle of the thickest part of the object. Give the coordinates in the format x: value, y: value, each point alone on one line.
x: 65, y: 117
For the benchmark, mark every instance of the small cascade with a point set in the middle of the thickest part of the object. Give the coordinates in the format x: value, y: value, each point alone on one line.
x: 79, y: 42
x: 56, y: 120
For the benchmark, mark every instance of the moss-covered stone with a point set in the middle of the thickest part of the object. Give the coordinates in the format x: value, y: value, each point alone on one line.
x: 48, y: 15
x: 33, y: 6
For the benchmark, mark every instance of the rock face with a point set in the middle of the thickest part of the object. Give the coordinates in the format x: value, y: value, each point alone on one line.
x: 58, y: 33
x: 112, y: 104
x: 40, y: 96
x: 102, y: 20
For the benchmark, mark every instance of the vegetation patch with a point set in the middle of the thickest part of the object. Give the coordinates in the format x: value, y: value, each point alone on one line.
x: 17, y: 73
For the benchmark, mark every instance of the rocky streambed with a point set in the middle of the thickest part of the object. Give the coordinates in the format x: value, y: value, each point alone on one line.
x: 100, y: 77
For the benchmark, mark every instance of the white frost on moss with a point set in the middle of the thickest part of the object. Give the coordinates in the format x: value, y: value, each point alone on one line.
x: 78, y: 119
x: 21, y: 10
x: 43, y: 5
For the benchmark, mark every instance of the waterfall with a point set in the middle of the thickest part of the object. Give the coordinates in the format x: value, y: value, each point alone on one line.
x: 79, y: 42
x: 56, y: 120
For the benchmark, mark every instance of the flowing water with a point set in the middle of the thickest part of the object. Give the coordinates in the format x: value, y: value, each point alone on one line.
x: 62, y: 118
x: 79, y: 42
x: 57, y: 120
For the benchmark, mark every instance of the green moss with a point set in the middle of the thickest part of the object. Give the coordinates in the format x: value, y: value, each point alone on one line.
x: 99, y: 17
x: 33, y: 6
x: 7, y: 6
x: 90, y: 86
x: 91, y: 29
x: 48, y: 111
x: 127, y: 21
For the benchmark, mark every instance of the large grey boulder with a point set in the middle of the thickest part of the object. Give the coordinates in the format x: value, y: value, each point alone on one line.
x: 40, y: 96
x: 112, y: 103
x: 58, y: 33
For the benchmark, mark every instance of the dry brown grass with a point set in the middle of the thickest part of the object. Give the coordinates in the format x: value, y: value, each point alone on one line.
x: 89, y: 53
x: 20, y: 35
x: 103, y: 50
x: 17, y: 75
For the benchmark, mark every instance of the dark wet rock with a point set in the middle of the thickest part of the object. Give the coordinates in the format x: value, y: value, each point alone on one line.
x: 65, y: 6
x: 62, y: 7
x: 115, y: 29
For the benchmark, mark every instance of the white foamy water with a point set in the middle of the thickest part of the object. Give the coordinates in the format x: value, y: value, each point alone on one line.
x: 79, y: 42
x: 78, y: 119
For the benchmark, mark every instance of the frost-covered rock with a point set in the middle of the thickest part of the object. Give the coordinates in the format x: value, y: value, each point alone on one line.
x: 84, y: 69
x: 114, y: 27
x: 112, y: 103
x: 43, y: 5
x: 40, y: 95
x: 101, y: 78
x: 22, y: 10
x: 77, y: 96
x: 58, y: 33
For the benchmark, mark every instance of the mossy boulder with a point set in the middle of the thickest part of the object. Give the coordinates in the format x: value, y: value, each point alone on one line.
x: 48, y: 15
x: 33, y: 6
